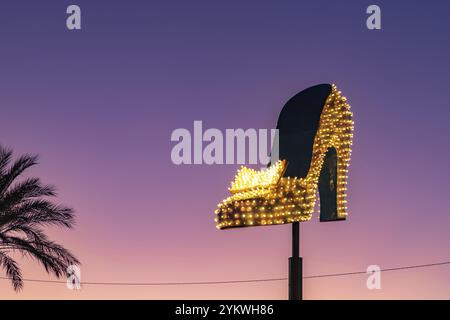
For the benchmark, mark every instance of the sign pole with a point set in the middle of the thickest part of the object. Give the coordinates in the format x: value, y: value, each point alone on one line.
x: 295, y: 266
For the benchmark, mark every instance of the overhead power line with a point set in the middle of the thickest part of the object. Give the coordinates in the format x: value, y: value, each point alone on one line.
x: 234, y: 281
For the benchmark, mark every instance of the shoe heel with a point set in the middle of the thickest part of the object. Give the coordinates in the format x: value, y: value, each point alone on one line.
x: 328, y: 187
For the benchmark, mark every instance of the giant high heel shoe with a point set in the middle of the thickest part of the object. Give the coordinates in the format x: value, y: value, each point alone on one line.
x: 315, y: 136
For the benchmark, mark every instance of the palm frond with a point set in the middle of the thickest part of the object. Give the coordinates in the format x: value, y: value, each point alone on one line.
x: 16, y: 169
x: 38, y: 212
x: 25, y: 190
x: 12, y: 270
x: 44, y: 253
x: 5, y: 158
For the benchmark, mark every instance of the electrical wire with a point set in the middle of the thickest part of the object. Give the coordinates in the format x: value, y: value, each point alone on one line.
x: 234, y: 281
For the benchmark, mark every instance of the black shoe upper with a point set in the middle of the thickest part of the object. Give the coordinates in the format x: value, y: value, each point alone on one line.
x: 298, y: 123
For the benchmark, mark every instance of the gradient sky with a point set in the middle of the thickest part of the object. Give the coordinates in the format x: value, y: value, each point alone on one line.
x: 99, y: 106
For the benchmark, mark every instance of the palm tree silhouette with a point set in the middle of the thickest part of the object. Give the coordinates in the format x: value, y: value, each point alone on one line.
x: 24, y: 209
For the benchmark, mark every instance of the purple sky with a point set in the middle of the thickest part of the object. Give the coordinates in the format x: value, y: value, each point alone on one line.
x: 99, y: 106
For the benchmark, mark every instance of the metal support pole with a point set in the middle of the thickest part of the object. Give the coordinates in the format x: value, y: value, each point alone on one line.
x: 295, y: 266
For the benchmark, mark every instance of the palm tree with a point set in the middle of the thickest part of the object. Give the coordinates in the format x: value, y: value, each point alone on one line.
x: 25, y: 208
